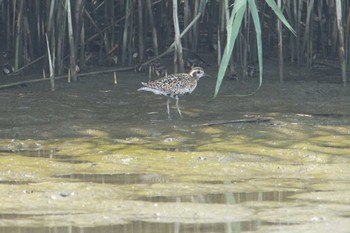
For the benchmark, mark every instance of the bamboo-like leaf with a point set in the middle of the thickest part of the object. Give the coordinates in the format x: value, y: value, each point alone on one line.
x: 279, y: 14
x: 233, y: 27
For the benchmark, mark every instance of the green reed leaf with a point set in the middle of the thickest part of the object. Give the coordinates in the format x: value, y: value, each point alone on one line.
x: 233, y: 27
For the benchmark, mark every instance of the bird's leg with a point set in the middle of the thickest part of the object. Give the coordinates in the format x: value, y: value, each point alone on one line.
x: 177, y: 106
x: 168, y: 108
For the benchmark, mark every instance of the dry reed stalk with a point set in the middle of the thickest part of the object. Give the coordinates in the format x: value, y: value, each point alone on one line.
x: 305, y: 45
x: 79, y: 32
x: 321, y: 35
x: 195, y: 28
x: 140, y: 30
x: 19, y: 33
x: 153, y: 26
x: 178, y: 55
x: 72, y: 57
x: 51, y: 65
x: 126, y: 31
x: 347, y: 37
x: 341, y: 41
x: 298, y: 9
x: 61, y: 35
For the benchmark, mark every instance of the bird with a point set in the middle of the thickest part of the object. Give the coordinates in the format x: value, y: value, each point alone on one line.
x: 175, y: 85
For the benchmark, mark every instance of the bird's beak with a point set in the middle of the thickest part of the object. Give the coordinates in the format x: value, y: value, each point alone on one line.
x: 206, y: 75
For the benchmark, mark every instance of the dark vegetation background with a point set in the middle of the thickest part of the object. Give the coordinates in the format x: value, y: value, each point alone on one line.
x: 126, y: 33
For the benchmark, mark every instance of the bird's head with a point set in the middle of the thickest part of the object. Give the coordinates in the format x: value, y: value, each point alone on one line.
x: 198, y: 72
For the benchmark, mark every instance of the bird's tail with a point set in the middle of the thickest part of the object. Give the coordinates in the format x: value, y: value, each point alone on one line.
x: 155, y: 91
x: 145, y: 89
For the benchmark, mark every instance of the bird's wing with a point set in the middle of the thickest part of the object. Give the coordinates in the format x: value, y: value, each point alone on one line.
x: 174, y: 82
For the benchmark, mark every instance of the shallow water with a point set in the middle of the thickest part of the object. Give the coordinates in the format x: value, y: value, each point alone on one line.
x: 97, y: 157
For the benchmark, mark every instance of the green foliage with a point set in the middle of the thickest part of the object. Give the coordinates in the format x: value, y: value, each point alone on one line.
x: 233, y: 28
x: 279, y: 14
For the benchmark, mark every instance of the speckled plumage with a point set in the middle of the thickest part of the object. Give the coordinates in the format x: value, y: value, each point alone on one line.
x: 175, y: 85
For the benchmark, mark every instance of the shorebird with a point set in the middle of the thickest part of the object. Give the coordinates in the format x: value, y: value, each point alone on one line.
x: 175, y: 85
